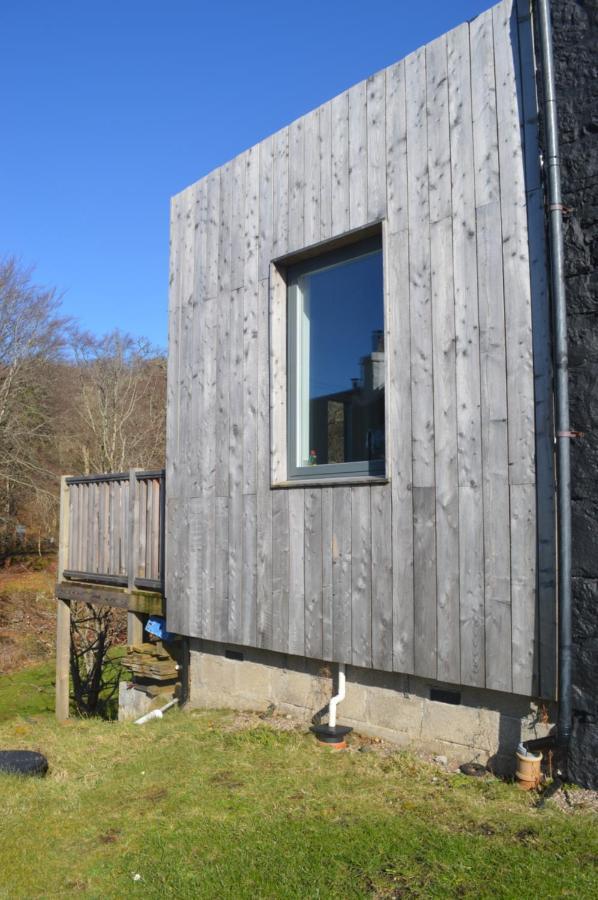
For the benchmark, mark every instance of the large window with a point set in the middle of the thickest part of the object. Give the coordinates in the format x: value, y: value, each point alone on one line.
x: 336, y: 363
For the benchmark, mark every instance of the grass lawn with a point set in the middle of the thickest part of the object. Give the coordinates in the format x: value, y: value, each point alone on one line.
x: 198, y: 806
x: 28, y: 692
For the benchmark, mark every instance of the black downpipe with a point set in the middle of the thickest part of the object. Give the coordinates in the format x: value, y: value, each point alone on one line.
x: 561, y: 388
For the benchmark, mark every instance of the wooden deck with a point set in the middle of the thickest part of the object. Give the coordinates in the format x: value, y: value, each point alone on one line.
x: 111, y: 552
x: 114, y: 529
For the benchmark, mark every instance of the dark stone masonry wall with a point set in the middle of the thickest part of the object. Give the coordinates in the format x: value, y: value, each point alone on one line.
x: 575, y: 35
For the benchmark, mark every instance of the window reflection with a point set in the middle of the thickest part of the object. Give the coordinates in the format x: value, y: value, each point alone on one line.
x: 341, y: 364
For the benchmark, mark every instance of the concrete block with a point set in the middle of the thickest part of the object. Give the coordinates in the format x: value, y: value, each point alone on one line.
x: 133, y: 703
x: 354, y: 706
x: 394, y: 711
x: 450, y: 723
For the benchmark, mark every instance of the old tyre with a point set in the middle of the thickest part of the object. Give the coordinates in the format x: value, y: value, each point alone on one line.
x: 23, y: 762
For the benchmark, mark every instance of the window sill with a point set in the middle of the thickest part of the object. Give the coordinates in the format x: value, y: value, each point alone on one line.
x: 331, y: 481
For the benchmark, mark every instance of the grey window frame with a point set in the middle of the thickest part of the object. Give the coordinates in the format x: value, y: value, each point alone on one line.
x: 375, y: 469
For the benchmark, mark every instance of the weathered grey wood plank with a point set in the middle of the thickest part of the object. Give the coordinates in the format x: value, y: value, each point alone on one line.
x: 361, y: 577
x: 235, y: 470
x: 278, y: 380
x: 445, y: 431
x: 194, y: 537
x: 222, y: 402
x: 264, y: 493
x: 358, y: 143
x: 341, y: 574
x: 471, y: 586
x: 464, y: 261
x: 142, y: 529
x: 313, y: 573
x: 65, y: 522
x: 494, y: 450
x: 280, y: 190
x: 325, y: 159
x: 327, y: 611
x: 296, y: 231
x: 112, y: 525
x: 296, y: 573
x: 146, y: 563
x: 156, y: 524
x: 521, y: 10
x: 495, y: 467
x: 396, y: 149
x: 209, y: 461
x: 399, y: 450
x: 382, y: 593
x: 311, y: 193
x: 249, y: 575
x: 189, y: 300
x: 518, y: 323
x: 424, y: 578
x: 174, y: 337
x: 523, y: 583
x: 212, y: 234
x: 199, y: 191
x: 483, y: 87
x: 339, y: 108
x: 467, y: 362
x: 250, y: 388
x: 224, y: 229
x: 376, y: 146
x: 422, y: 392
x: 439, y: 154
x: 237, y: 232
x: 252, y: 227
x: 280, y: 570
x: 266, y: 207
x: 221, y: 582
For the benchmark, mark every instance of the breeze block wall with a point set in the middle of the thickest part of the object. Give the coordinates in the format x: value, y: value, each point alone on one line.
x: 575, y: 36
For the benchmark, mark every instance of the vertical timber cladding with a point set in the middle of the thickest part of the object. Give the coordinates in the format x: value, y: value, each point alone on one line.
x: 440, y: 571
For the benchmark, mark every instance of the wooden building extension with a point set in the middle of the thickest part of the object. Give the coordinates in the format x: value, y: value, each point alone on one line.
x: 443, y: 566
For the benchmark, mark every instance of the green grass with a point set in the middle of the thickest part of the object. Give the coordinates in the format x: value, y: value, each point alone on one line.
x: 199, y: 809
x: 28, y: 692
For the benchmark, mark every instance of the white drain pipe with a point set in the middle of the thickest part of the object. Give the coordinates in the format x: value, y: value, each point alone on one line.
x: 155, y: 713
x: 338, y: 698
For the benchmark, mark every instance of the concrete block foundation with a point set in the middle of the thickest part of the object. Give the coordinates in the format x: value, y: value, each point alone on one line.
x: 477, y: 724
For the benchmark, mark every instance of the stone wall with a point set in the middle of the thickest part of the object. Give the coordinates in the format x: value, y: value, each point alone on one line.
x: 575, y: 35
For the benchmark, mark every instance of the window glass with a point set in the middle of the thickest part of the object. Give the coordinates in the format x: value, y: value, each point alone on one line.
x: 336, y: 353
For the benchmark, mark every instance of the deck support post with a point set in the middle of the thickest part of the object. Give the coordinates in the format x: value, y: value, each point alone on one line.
x: 135, y: 624
x: 135, y: 621
x: 63, y: 609
x: 63, y: 658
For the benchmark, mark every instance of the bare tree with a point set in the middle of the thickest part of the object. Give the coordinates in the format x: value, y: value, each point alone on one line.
x: 120, y: 405
x: 32, y: 338
x: 94, y: 630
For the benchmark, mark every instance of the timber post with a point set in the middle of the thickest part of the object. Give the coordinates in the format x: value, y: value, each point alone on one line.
x: 135, y: 621
x: 63, y: 609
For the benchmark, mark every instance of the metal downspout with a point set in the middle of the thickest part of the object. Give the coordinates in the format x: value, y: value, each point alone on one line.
x: 563, y: 434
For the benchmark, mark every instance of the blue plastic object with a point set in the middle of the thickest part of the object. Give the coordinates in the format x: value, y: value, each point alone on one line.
x: 156, y: 625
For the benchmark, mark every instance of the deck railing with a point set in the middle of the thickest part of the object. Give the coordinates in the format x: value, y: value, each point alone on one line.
x: 114, y: 529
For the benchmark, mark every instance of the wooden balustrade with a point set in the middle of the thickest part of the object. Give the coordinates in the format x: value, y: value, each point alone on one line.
x: 112, y: 529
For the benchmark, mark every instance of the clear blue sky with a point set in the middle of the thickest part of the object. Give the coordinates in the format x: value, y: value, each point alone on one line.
x: 109, y: 108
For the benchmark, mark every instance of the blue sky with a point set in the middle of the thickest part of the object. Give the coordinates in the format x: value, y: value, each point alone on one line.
x: 111, y: 107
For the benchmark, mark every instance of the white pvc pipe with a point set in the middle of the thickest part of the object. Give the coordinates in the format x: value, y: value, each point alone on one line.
x: 155, y: 713
x: 338, y: 698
